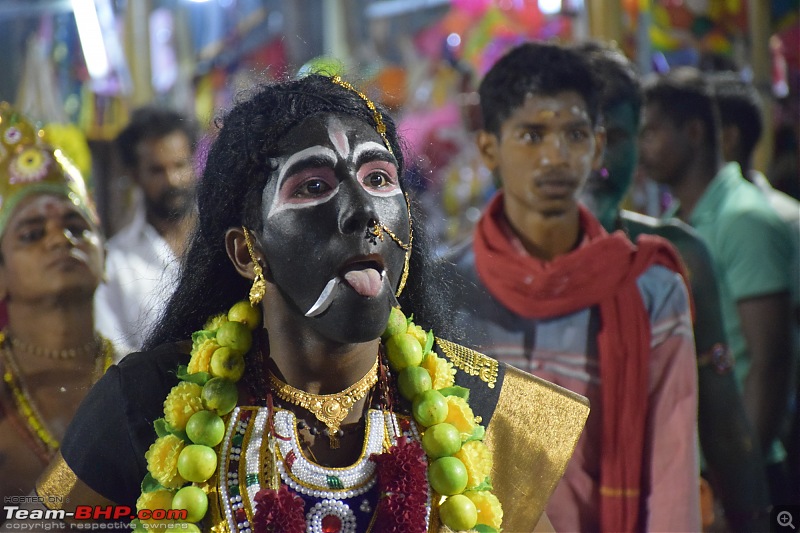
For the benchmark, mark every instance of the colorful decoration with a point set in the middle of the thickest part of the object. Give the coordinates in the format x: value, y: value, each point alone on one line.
x: 406, y: 469
x: 479, y: 31
x: 681, y: 32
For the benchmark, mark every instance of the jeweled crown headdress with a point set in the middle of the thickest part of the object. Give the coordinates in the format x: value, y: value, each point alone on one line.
x: 28, y: 166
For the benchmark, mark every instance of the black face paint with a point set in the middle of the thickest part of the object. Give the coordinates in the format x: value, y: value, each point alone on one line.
x: 334, y: 184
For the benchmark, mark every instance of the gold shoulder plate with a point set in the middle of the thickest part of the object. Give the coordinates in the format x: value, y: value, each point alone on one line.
x: 469, y: 361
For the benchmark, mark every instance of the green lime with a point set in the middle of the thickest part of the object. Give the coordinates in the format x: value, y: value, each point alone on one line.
x: 447, y: 475
x: 205, y: 427
x: 193, y: 500
x: 403, y: 351
x: 441, y: 440
x: 245, y: 313
x: 458, y: 513
x: 413, y: 380
x: 429, y: 408
x: 396, y: 324
x: 197, y: 463
x: 226, y: 363
x: 236, y: 336
x: 220, y: 395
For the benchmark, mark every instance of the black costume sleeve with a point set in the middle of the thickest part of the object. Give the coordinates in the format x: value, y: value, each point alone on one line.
x: 113, y: 428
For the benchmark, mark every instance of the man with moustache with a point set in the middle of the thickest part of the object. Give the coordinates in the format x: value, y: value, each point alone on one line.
x: 549, y: 291
x: 156, y: 149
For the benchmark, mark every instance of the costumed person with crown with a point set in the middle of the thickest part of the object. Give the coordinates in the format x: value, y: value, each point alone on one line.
x: 51, y: 261
x: 321, y: 404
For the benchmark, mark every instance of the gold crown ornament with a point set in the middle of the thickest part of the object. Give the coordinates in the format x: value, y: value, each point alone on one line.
x: 30, y: 166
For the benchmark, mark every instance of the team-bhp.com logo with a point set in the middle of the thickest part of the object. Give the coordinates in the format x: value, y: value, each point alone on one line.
x: 93, y: 513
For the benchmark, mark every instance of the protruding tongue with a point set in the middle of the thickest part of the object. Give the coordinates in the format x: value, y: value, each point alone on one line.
x: 365, y: 282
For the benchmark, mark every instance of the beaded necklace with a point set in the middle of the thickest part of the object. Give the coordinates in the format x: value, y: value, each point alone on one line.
x: 70, y: 353
x: 335, y: 499
x: 27, y: 410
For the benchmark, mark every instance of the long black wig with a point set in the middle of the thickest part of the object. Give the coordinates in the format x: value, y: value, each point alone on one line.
x: 229, y: 194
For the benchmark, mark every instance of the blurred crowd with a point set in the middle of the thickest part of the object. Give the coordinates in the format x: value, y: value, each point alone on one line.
x: 608, y: 232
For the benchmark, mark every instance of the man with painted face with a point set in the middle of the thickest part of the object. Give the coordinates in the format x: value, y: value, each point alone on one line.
x: 735, y: 466
x: 301, y: 206
x: 51, y: 261
x: 156, y: 149
x: 550, y: 292
x: 679, y: 146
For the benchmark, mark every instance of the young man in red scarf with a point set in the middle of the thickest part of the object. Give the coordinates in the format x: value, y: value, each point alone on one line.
x: 550, y: 292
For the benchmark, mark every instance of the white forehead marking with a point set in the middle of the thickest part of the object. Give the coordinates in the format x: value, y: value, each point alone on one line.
x: 369, y: 145
x: 312, y: 151
x: 338, y: 137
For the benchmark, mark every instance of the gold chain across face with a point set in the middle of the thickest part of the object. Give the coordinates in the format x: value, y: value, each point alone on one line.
x: 376, y: 229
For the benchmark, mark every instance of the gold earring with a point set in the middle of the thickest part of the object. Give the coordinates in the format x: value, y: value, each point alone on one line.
x: 259, y: 288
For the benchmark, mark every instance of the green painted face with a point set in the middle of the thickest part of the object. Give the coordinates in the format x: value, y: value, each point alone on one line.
x: 605, y: 189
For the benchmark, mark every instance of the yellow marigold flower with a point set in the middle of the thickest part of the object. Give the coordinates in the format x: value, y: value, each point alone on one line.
x: 158, y: 499
x: 418, y: 333
x: 201, y: 357
x: 460, y: 414
x: 182, y: 402
x: 216, y: 321
x: 490, y: 512
x: 441, y: 370
x: 478, y: 459
x: 162, y: 461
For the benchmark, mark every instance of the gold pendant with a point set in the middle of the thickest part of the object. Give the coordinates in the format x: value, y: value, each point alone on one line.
x: 330, y: 409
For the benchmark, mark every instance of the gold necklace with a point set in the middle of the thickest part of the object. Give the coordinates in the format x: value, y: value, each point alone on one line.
x: 330, y: 409
x: 23, y: 401
x: 38, y: 351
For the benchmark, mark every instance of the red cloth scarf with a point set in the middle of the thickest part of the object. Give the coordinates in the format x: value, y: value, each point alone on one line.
x: 602, y: 271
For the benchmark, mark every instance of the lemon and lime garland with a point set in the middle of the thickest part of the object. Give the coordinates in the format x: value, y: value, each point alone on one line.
x: 459, y: 462
x: 182, y: 460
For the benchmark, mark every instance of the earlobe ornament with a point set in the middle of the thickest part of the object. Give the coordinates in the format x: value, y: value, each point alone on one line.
x: 259, y: 288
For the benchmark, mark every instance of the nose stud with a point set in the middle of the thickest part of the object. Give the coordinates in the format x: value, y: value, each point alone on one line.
x: 374, y: 231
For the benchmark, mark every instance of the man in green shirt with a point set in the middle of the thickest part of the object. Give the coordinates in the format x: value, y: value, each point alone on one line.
x: 750, y: 246
x: 733, y: 464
